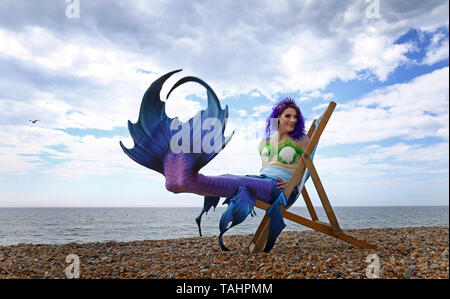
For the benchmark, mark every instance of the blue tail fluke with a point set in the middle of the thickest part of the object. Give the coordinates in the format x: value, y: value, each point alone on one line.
x: 209, y: 202
x: 214, y: 113
x: 239, y: 207
x: 152, y: 135
x: 276, y: 221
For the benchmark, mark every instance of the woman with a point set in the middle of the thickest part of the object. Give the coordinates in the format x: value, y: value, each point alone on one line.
x: 153, y: 138
x: 284, y: 144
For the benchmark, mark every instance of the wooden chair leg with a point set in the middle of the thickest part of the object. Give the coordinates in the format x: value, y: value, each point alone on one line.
x: 262, y: 233
x: 260, y: 236
x: 318, y: 226
x: 309, y: 205
x: 322, y: 195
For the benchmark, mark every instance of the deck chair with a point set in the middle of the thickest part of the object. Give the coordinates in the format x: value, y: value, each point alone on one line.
x: 303, y: 171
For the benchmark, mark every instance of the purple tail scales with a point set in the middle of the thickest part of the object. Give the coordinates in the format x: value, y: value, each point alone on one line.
x: 180, y: 177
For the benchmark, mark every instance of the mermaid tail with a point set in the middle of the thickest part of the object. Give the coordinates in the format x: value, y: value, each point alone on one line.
x: 154, y: 138
x: 152, y: 134
x: 210, y: 201
x: 239, y: 207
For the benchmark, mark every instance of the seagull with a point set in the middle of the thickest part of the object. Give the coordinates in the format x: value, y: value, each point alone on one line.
x: 34, y: 121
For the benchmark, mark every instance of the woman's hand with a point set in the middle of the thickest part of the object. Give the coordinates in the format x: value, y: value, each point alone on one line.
x: 281, y: 185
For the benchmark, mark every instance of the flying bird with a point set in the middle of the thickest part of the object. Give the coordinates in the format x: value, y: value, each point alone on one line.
x: 34, y: 121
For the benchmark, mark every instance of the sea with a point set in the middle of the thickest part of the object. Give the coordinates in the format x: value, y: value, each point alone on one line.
x: 85, y: 225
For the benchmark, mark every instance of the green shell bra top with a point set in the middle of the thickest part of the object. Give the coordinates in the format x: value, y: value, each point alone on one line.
x: 287, y: 153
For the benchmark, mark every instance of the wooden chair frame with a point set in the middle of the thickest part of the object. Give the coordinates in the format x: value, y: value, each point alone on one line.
x: 332, y: 228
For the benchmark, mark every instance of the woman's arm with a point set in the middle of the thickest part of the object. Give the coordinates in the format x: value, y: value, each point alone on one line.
x: 281, y: 184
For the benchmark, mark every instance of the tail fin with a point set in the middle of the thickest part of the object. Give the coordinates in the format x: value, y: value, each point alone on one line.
x: 151, y: 133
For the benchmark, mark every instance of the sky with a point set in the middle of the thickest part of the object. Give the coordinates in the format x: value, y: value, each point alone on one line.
x: 81, y: 68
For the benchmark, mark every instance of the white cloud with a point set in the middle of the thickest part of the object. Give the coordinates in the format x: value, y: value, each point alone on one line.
x: 417, y: 153
x: 239, y: 157
x: 437, y: 50
x: 261, y: 109
x: 320, y: 107
x: 316, y: 94
x: 401, y: 162
x: 31, y: 149
x: 182, y: 108
x: 378, y: 54
x: 290, y: 46
x: 242, y: 113
x: 413, y: 110
x: 23, y: 145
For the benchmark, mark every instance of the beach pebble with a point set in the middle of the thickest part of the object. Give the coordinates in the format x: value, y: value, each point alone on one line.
x: 413, y: 252
x: 411, y: 268
x: 408, y: 273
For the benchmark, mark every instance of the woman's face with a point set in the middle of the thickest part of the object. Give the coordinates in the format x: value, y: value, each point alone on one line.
x: 287, y: 120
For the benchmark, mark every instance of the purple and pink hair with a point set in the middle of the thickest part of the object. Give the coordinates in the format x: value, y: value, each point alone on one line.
x: 277, y: 110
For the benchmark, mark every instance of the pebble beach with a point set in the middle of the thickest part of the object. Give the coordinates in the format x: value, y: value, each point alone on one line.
x: 401, y: 253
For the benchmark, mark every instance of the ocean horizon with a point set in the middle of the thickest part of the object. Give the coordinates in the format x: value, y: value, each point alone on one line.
x: 61, y: 225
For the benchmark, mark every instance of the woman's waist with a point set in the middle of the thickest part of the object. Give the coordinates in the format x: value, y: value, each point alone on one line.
x: 276, y: 172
